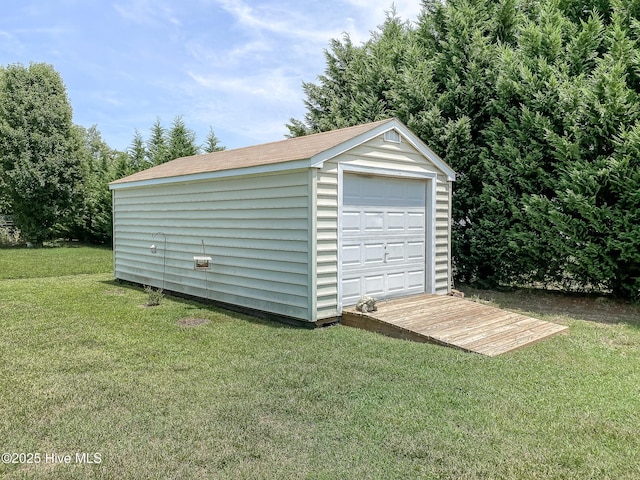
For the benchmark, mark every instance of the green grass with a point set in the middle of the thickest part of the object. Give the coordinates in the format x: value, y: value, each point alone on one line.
x: 87, y: 368
x: 70, y: 259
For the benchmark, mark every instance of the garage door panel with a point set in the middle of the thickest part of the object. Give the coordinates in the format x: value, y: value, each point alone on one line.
x: 415, y: 251
x: 373, y: 253
x: 396, y: 252
x: 396, y: 221
x: 394, y: 192
x: 351, y: 255
x: 362, y: 253
x: 415, y: 279
x: 387, y: 221
x: 382, y: 285
x: 351, y: 289
x: 396, y: 282
x: 351, y: 222
x: 382, y: 191
x: 383, y: 237
x: 374, y: 285
x: 373, y: 221
x: 415, y: 221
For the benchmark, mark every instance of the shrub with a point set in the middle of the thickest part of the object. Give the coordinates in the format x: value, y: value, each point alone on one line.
x: 154, y: 296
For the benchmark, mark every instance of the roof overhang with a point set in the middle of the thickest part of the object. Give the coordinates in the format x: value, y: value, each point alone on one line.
x: 317, y: 161
x: 234, y: 172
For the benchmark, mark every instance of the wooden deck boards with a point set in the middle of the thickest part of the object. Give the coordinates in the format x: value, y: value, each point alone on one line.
x: 455, y: 322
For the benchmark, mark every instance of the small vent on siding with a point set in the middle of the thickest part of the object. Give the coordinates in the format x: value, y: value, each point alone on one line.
x: 392, y: 136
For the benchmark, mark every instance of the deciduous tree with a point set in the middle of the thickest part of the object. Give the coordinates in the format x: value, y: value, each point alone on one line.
x: 39, y: 151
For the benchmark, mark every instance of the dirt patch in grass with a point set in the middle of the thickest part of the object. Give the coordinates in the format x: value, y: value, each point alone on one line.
x: 192, y: 321
x: 594, y: 308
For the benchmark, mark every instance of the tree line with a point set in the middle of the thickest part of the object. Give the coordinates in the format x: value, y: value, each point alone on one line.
x: 55, y: 175
x: 535, y: 105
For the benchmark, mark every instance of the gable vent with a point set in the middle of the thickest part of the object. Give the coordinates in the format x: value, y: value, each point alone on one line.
x: 392, y: 136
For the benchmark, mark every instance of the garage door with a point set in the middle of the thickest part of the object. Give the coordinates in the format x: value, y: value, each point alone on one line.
x: 383, y: 237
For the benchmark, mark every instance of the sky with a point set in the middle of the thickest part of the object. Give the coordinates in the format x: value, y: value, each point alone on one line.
x: 236, y: 66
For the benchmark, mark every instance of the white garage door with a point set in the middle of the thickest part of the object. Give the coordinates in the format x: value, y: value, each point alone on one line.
x: 383, y: 237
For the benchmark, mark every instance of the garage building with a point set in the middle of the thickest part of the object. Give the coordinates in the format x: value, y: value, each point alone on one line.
x: 298, y: 228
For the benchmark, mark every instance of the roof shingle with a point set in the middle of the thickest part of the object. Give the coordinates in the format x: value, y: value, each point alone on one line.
x: 298, y: 148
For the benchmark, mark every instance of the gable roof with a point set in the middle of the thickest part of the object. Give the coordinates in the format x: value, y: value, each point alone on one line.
x: 312, y: 150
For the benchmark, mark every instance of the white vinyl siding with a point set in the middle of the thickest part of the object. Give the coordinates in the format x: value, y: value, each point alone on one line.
x: 443, y: 236
x: 255, y: 228
x: 327, y: 241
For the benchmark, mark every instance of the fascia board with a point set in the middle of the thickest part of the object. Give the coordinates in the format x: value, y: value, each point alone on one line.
x: 259, y: 169
x: 319, y: 159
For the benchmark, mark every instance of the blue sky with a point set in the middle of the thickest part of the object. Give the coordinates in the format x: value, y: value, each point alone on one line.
x: 234, y: 65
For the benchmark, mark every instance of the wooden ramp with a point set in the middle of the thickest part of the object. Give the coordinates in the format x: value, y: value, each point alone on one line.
x: 454, y: 322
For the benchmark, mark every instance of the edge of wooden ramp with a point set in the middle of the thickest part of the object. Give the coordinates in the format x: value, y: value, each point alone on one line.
x: 454, y: 322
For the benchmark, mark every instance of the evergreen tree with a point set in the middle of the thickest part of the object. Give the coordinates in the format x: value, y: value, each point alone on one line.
x: 459, y: 44
x: 548, y: 213
x: 92, y: 220
x: 212, y: 143
x: 535, y: 105
x: 181, y: 141
x: 157, y: 150
x: 532, y: 94
x: 138, y: 158
x: 122, y: 166
x: 359, y: 83
x: 297, y: 128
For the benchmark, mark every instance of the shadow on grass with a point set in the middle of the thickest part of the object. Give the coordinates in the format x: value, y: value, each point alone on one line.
x: 241, y: 313
x: 590, y: 307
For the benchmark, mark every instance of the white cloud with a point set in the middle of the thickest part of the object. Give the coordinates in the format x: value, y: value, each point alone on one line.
x: 147, y: 12
x: 250, y: 107
x: 370, y: 14
x: 285, y: 20
x: 53, y: 31
x: 406, y: 9
x: 6, y: 35
x: 268, y: 86
x: 9, y: 42
x: 237, y: 65
x: 249, y: 84
x: 203, y: 52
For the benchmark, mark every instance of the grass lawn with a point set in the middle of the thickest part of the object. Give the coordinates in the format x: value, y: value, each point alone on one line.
x: 86, y: 368
x: 71, y: 259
